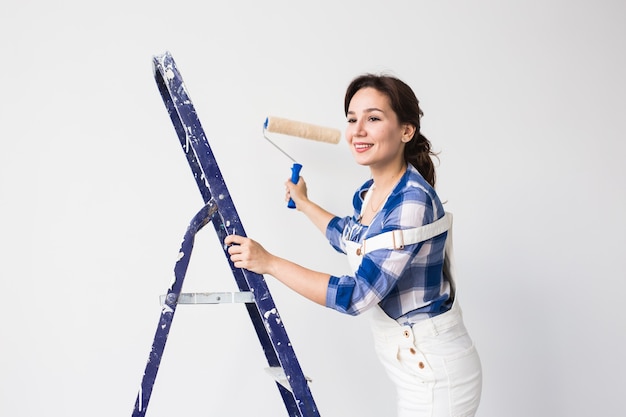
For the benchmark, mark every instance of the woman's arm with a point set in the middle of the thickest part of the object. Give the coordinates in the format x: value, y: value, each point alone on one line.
x: 248, y: 254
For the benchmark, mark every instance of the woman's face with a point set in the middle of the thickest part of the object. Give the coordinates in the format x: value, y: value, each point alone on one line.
x: 375, y: 136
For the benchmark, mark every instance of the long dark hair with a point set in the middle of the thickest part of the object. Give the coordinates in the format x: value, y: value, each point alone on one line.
x: 405, y: 104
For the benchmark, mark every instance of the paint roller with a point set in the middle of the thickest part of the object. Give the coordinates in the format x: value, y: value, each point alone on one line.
x: 301, y: 130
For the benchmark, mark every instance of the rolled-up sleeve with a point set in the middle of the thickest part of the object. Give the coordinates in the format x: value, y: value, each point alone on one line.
x: 334, y: 232
x: 376, y: 277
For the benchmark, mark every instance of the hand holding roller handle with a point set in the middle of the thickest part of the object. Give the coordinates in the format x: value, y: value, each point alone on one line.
x: 295, y: 177
x: 302, y: 130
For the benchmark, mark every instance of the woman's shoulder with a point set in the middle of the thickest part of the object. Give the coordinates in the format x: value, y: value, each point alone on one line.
x: 410, y: 209
x: 414, y: 190
x: 414, y: 204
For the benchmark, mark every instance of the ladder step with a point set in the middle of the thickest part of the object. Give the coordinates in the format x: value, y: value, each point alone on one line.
x: 213, y: 297
x: 279, y: 376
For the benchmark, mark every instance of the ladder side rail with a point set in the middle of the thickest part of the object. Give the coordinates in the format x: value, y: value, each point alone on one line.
x: 205, y: 168
x: 169, y: 308
x: 172, y: 111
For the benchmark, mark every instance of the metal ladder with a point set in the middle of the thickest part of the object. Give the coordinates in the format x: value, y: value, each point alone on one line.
x: 220, y: 211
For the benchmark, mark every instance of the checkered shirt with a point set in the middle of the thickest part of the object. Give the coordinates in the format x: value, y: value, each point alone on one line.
x: 407, y: 283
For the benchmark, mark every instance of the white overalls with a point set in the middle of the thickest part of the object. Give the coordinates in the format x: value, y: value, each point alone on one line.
x: 433, y: 363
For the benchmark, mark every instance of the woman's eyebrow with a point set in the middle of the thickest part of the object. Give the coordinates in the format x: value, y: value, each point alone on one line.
x: 369, y: 110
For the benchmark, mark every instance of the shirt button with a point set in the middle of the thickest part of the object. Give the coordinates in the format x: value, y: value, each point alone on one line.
x: 406, y: 334
x: 413, y: 352
x: 421, y: 365
x: 358, y: 252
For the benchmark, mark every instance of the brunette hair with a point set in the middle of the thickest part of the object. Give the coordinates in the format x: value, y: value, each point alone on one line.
x: 405, y: 104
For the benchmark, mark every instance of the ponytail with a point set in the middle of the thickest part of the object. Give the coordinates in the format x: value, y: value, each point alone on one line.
x: 418, y: 153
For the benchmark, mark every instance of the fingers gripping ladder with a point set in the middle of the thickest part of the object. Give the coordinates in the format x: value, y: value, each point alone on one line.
x: 220, y: 211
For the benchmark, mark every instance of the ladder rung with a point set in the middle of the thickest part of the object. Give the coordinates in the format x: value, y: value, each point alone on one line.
x: 213, y: 297
x: 279, y: 376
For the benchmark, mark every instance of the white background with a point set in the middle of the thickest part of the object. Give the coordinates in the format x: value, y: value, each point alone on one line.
x: 525, y: 100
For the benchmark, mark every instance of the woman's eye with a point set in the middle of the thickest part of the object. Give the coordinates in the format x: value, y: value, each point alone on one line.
x: 373, y: 119
x: 351, y: 120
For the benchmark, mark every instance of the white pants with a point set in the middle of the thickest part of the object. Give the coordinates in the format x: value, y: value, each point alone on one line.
x: 434, y: 364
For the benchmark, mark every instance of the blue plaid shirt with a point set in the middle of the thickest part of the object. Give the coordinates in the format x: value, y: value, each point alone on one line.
x: 408, y: 283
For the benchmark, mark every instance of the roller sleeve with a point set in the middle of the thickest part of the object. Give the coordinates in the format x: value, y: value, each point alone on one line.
x: 302, y: 130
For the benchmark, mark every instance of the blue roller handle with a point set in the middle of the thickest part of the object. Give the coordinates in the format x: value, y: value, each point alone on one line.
x: 295, y: 176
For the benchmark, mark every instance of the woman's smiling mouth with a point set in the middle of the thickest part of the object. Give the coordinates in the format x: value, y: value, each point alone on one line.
x: 362, y: 147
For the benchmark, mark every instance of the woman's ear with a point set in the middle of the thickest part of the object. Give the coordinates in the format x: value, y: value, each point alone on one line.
x: 408, y: 132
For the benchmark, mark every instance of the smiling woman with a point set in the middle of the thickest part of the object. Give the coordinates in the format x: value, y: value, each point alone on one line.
x: 398, y: 243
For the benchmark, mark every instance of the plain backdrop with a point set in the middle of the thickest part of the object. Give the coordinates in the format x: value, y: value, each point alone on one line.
x: 524, y: 100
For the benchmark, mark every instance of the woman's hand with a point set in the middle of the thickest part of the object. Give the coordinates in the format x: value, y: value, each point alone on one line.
x: 296, y: 192
x: 248, y: 254
x: 299, y: 194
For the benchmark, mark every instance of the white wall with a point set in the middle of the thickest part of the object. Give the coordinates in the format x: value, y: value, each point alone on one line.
x: 524, y: 99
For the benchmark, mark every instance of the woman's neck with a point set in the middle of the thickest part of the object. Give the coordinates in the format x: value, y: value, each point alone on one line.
x: 384, y: 183
x: 386, y: 179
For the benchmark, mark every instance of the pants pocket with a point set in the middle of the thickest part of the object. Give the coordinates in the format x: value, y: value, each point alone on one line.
x: 465, y: 379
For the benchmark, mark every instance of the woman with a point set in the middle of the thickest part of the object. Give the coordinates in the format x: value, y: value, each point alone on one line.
x: 395, y: 241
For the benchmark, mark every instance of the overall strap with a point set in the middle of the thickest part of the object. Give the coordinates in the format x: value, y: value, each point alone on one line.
x: 397, y: 239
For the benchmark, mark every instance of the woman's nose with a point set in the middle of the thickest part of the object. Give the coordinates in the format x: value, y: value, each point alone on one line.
x: 358, y: 130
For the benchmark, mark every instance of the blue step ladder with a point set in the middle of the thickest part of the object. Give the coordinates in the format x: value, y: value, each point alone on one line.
x: 253, y: 291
